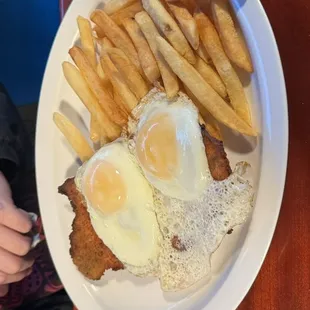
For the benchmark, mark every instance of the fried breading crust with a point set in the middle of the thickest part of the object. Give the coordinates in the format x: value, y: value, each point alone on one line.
x: 91, y: 256
x: 216, y: 155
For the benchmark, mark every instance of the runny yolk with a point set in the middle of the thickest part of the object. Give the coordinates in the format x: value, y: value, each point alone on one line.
x: 156, y: 146
x: 104, y: 188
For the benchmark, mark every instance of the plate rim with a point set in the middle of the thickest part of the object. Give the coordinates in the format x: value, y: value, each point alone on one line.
x: 247, y: 278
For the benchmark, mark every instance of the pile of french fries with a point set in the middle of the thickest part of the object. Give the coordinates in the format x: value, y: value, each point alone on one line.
x: 176, y: 45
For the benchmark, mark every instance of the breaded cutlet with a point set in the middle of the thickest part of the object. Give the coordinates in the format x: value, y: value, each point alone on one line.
x: 91, y: 256
x: 217, y: 158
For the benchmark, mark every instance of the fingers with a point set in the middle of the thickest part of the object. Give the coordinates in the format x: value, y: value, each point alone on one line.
x: 5, y: 191
x: 14, y: 218
x: 10, y: 216
x: 14, y: 242
x: 4, y: 290
x: 12, y: 264
x: 12, y: 278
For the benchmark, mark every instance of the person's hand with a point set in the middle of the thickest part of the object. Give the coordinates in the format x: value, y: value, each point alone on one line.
x: 14, y: 264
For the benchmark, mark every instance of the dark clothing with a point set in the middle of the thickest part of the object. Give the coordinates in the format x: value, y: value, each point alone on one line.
x: 41, y: 290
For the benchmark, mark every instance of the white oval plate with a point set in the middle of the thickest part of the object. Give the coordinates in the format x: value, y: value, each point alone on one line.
x: 237, y: 261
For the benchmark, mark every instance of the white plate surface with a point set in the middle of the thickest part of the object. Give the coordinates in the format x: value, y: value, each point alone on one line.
x: 237, y: 262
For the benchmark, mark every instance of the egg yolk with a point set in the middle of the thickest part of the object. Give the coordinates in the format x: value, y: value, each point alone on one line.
x: 104, y: 188
x: 156, y: 146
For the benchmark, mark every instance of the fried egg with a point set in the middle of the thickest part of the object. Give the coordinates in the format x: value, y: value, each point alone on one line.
x: 169, y: 146
x: 120, y: 203
x: 190, y: 206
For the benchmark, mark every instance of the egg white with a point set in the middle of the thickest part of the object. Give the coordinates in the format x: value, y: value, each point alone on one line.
x: 132, y: 233
x: 200, y: 226
x: 192, y: 175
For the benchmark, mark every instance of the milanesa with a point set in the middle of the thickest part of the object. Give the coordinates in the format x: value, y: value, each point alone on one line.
x: 91, y: 256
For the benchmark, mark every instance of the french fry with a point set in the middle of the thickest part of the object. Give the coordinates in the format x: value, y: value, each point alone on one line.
x: 233, y: 44
x: 146, y: 57
x: 150, y: 32
x: 187, y: 24
x: 202, y: 53
x: 95, y: 130
x: 99, y: 32
x: 209, y: 121
x: 223, y: 66
x: 80, y: 87
x: 103, y: 77
x: 211, y: 77
x: 113, y: 6
x: 119, y: 38
x: 106, y: 82
x: 106, y: 42
x: 208, y: 97
x: 87, y: 40
x: 117, y: 98
x: 132, y: 77
x: 203, y: 5
x: 114, y: 113
x: 103, y: 141
x: 191, y: 5
x: 74, y: 137
x: 119, y: 82
x: 128, y: 12
x: 169, y: 28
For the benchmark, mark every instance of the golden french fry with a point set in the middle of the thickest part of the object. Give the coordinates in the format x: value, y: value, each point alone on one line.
x: 73, y: 136
x: 103, y: 141
x: 113, y: 6
x: 128, y: 12
x: 80, y: 87
x: 95, y: 130
x: 187, y: 24
x: 150, y: 32
x: 191, y: 5
x: 169, y: 28
x: 208, y: 97
x: 119, y: 38
x: 211, y: 77
x: 132, y: 77
x: 103, y: 77
x: 202, y: 53
x: 114, y: 113
x: 203, y: 5
x: 99, y: 32
x: 119, y: 82
x: 146, y: 57
x: 106, y: 42
x: 233, y: 44
x: 117, y: 98
x: 103, y: 43
x: 209, y: 121
x: 223, y: 66
x: 106, y: 81
x: 87, y: 40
